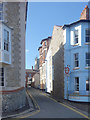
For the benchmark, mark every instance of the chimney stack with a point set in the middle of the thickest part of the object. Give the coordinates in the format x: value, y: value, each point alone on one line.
x: 32, y: 67
x: 85, y: 13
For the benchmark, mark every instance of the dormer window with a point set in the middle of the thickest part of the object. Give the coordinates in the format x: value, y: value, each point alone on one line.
x: 75, y: 36
x: 87, y: 35
x: 6, y: 40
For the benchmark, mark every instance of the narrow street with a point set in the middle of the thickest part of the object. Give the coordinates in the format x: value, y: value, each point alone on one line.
x: 49, y: 108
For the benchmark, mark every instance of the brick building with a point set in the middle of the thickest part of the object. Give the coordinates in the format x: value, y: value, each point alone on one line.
x: 12, y: 55
x: 42, y: 66
x: 29, y: 77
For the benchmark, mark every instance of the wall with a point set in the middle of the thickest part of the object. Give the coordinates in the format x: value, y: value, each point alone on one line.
x: 14, y: 16
x: 57, y: 53
x: 37, y: 80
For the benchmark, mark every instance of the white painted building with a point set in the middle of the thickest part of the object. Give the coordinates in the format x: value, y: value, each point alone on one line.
x: 49, y: 82
x: 77, y: 56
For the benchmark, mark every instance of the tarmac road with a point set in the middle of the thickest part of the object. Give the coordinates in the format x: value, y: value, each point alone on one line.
x: 49, y: 108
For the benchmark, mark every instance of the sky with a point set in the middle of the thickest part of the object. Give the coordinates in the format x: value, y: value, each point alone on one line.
x: 41, y: 18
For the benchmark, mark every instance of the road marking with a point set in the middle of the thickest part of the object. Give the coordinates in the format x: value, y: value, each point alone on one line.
x: 67, y: 106
x: 37, y: 106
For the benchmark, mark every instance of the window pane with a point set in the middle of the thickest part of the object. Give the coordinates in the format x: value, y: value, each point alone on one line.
x: 1, y: 76
x: 6, y: 40
x: 87, y: 84
x: 87, y: 59
x: 76, y: 83
x: 75, y: 36
x: 88, y: 35
x: 76, y: 61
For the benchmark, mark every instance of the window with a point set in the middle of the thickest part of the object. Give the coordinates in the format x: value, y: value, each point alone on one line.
x: 1, y: 11
x: 87, y: 59
x: 45, y: 53
x: 88, y: 35
x: 88, y: 84
x: 76, y: 60
x: 1, y: 76
x: 30, y: 75
x: 45, y: 43
x: 6, y: 40
x: 75, y: 36
x: 76, y: 83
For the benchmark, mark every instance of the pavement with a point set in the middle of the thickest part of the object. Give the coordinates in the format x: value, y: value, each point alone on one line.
x: 29, y: 107
x: 46, y: 107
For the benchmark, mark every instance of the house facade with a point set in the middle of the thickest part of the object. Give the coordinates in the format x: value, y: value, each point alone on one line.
x: 77, y: 57
x: 12, y: 56
x: 55, y: 64
x: 42, y: 65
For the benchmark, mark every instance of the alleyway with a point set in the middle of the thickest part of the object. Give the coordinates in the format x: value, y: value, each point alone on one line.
x: 48, y: 108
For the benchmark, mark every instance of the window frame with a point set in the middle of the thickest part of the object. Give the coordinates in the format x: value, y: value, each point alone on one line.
x: 76, y: 36
x: 87, y: 35
x: 87, y: 59
x: 6, y: 40
x: 76, y: 60
x: 2, y: 77
x: 77, y: 84
x: 1, y: 11
x: 88, y: 84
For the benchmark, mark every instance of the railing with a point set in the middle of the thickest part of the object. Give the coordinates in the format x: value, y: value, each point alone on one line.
x: 81, y: 92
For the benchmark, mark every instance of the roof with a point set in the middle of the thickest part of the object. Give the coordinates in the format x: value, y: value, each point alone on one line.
x: 58, y: 25
x: 46, y: 39
x: 31, y: 71
x: 68, y: 25
x: 39, y: 47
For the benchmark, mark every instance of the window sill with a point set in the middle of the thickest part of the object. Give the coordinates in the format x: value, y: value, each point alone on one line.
x: 76, y: 44
x: 76, y: 68
x: 87, y: 43
x: 87, y: 67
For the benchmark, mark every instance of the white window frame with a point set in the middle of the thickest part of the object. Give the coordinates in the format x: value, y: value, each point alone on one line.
x: 76, y: 36
x: 6, y: 40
